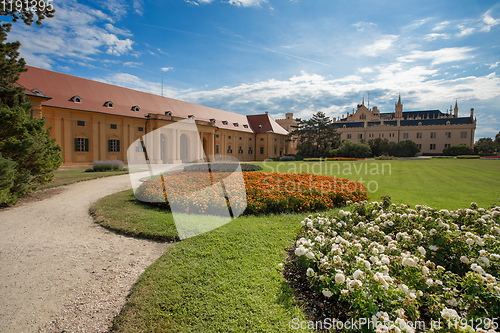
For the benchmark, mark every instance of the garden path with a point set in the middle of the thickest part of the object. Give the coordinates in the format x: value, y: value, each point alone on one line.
x: 59, y: 271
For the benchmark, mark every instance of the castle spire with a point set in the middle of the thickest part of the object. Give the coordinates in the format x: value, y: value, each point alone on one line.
x: 455, y: 110
x: 399, y: 108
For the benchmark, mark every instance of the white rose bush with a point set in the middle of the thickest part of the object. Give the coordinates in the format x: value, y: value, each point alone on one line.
x: 405, y: 265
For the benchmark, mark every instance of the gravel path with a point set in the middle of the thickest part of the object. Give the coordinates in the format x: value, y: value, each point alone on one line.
x: 60, y: 272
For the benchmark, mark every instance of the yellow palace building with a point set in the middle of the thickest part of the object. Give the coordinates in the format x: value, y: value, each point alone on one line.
x: 97, y: 121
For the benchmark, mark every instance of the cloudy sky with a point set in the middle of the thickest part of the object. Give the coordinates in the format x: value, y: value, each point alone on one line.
x: 300, y: 56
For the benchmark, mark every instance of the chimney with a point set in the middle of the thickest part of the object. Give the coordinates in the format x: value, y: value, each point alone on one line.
x: 471, y: 112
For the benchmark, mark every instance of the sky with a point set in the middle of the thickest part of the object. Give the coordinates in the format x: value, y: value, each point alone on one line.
x: 300, y: 56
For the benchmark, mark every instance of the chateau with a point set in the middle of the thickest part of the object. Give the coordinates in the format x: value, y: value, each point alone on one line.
x: 97, y: 121
x: 431, y: 130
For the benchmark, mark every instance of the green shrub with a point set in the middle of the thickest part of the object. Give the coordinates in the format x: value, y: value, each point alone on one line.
x: 405, y: 148
x: 312, y: 159
x: 458, y: 150
x: 108, y: 165
x: 7, y: 177
x: 353, y: 149
x: 386, y: 157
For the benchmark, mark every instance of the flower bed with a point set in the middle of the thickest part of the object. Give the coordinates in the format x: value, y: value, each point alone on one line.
x: 266, y: 192
x: 400, y: 266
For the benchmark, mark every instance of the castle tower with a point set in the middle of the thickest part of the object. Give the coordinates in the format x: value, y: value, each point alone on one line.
x: 455, y: 110
x: 399, y: 108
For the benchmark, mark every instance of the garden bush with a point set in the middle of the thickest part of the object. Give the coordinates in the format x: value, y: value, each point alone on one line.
x: 287, y: 158
x: 400, y: 265
x: 353, y: 149
x: 266, y: 192
x: 468, y: 157
x: 458, y: 150
x: 386, y: 157
x: 101, y: 166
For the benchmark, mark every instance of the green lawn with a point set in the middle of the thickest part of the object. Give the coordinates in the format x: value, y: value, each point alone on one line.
x: 65, y: 177
x: 227, y: 280
x: 440, y: 183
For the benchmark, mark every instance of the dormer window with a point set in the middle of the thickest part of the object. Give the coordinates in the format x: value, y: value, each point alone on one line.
x: 109, y: 104
x: 136, y: 108
x: 191, y: 116
x: 168, y: 113
x: 76, y: 99
x: 260, y: 126
x: 246, y: 126
x: 212, y: 120
x: 224, y: 122
x: 235, y: 124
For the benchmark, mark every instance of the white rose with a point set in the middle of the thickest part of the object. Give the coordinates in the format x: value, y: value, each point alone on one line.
x: 425, y: 270
x: 310, y: 272
x: 339, y: 278
x: 357, y: 274
x: 433, y: 248
x: 309, y: 224
x: 327, y: 293
x: 310, y: 255
x: 300, y: 251
x: 429, y: 282
x: 449, y: 314
x: 464, y: 259
x: 421, y: 250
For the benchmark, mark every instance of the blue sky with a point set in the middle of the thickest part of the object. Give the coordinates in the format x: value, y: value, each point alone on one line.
x: 300, y: 56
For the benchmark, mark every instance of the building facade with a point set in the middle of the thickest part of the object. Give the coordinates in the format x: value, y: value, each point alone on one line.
x: 97, y: 121
x: 431, y: 130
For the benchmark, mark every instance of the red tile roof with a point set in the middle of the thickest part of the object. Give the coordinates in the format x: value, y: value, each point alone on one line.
x: 263, y: 123
x: 61, y: 88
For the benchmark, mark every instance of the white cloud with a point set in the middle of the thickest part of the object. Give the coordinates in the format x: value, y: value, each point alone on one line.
x: 440, y: 56
x: 465, y: 31
x: 380, y: 46
x: 434, y: 36
x: 365, y: 70
x: 488, y: 21
x: 132, y: 64
x: 139, y: 6
x: 124, y: 32
x: 441, y: 26
x: 362, y: 26
x: 247, y: 3
x: 495, y: 65
x: 73, y: 33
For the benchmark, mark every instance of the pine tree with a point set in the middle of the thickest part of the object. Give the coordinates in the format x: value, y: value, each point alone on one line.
x: 27, y: 153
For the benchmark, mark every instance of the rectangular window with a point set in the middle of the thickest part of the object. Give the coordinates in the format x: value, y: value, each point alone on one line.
x: 360, y: 136
x: 113, y: 126
x: 114, y: 145
x: 140, y: 129
x: 405, y: 135
x: 81, y: 144
x: 447, y: 135
x: 348, y: 136
x: 240, y: 138
x: 217, y: 135
x: 250, y: 150
x: 433, y: 146
x: 262, y: 150
x: 216, y: 149
x: 80, y: 123
x: 229, y: 150
x: 249, y: 139
x: 419, y: 135
x: 274, y: 150
x: 433, y: 135
x: 446, y: 145
x: 419, y: 145
x: 230, y: 137
x: 240, y: 150
x: 261, y: 139
x: 463, y: 135
x: 139, y: 148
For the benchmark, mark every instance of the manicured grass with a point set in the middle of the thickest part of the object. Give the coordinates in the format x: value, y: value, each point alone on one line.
x: 66, y: 177
x: 439, y: 183
x: 226, y: 280
x: 121, y: 212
